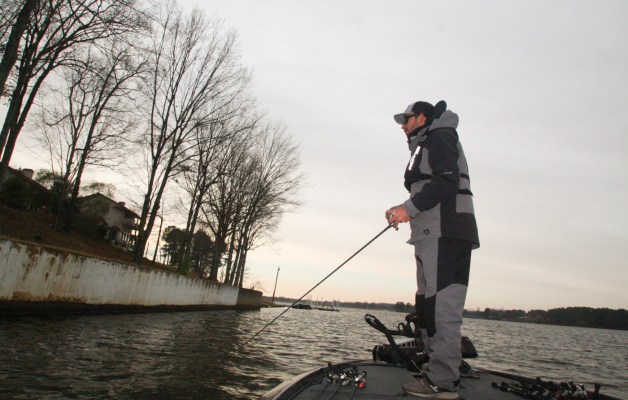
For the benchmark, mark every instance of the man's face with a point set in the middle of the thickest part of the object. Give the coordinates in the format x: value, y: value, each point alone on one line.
x: 412, y: 122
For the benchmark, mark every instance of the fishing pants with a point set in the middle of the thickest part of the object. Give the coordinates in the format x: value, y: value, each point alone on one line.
x: 442, y: 278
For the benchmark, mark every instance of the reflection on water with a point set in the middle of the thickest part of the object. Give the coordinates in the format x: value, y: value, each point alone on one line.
x: 196, y: 355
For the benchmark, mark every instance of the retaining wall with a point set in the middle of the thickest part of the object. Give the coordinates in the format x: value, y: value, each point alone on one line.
x: 34, y: 279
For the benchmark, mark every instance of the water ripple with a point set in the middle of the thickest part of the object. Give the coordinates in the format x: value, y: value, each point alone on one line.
x: 197, y: 355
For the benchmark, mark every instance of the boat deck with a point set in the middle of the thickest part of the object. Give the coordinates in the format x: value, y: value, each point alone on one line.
x: 384, y: 381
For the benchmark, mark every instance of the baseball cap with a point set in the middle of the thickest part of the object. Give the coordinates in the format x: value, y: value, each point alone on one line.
x: 416, y: 108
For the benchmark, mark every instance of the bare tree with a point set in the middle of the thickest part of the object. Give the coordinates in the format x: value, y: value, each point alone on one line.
x: 8, y: 16
x: 54, y: 33
x: 214, y: 146
x: 88, y: 124
x: 222, y: 205
x: 195, y: 74
x: 277, y: 181
x: 245, y: 207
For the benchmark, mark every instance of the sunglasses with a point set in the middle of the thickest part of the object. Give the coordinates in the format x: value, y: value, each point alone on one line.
x: 406, y: 118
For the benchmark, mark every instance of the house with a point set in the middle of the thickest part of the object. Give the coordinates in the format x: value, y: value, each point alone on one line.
x: 26, y: 175
x: 121, y: 222
x: 26, y: 192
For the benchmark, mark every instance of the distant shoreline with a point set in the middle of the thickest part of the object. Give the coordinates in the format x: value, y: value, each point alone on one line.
x: 582, y: 317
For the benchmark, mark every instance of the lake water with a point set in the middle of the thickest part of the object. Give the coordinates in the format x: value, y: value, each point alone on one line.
x: 196, y: 355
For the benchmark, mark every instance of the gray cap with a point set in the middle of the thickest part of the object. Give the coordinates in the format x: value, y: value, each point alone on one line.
x: 416, y: 108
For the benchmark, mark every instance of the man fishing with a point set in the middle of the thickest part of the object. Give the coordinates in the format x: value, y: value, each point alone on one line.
x: 443, y: 233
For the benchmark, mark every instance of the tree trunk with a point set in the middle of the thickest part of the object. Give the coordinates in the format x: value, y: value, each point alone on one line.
x: 219, y: 249
x: 232, y: 246
x: 195, y: 208
x: 9, y: 122
x: 65, y: 184
x: 13, y: 43
x: 241, y: 268
x: 141, y: 234
x: 16, y: 123
x: 77, y: 184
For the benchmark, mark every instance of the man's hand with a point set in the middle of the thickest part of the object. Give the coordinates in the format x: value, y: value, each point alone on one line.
x: 396, y: 215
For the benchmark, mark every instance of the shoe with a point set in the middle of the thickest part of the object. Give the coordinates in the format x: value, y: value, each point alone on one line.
x: 423, y: 388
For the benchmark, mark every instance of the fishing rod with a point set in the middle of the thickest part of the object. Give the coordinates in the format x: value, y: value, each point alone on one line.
x: 315, y: 286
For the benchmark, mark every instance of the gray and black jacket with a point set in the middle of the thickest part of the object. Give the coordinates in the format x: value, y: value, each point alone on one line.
x: 437, y: 177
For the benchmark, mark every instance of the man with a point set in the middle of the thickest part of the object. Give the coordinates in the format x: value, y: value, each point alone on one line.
x: 444, y: 231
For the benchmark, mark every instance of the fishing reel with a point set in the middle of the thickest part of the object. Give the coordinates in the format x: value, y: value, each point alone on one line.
x: 344, y: 376
x: 541, y: 390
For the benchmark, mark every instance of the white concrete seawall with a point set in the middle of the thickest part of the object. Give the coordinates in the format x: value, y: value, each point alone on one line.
x: 37, y: 278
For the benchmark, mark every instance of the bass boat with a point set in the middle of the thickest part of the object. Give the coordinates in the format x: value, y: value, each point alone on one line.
x: 400, y: 361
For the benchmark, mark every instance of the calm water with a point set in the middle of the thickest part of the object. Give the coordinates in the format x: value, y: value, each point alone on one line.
x: 195, y: 355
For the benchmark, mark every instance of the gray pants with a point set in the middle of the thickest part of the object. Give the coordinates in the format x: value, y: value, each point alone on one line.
x: 442, y: 278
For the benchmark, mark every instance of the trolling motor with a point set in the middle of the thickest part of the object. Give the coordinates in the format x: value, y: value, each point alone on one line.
x: 408, y: 351
x: 411, y: 355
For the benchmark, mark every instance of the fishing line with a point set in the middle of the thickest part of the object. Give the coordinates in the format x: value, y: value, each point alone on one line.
x: 315, y: 286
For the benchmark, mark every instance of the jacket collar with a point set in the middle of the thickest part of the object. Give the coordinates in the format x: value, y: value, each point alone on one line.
x: 417, y: 136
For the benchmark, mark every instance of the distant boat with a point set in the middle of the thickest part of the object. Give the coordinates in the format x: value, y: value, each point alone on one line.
x: 327, y: 308
x: 302, y: 306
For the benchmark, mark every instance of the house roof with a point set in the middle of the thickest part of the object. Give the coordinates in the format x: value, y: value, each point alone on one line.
x: 18, y: 174
x: 110, y: 201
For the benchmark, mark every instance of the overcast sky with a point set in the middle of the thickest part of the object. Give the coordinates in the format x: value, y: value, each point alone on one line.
x: 541, y: 89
